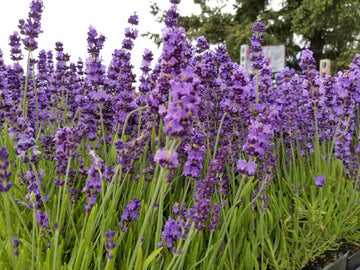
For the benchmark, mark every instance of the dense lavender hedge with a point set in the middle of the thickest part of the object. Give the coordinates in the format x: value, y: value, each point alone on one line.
x: 203, y: 165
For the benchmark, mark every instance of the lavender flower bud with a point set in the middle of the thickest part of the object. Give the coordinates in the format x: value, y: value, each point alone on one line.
x: 5, y: 174
x: 42, y: 218
x: 110, y: 245
x: 130, y: 213
x: 320, y: 181
x: 167, y: 159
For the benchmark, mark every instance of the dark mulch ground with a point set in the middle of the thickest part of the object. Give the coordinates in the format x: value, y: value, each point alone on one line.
x: 332, y: 256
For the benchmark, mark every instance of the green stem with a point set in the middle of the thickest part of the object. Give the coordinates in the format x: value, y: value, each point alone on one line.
x: 160, y: 212
x: 207, y: 251
x: 180, y: 262
x: 62, y: 191
x: 257, y: 87
x: 109, y: 191
x: 36, y: 100
x: 72, y: 121
x: 8, y: 222
x: 60, y: 222
x: 84, y: 226
x: 317, y: 144
x: 19, y: 215
x: 139, y: 125
x: 70, y: 210
x: 33, y: 239
x: 66, y: 105
x: 127, y: 120
x: 41, y: 192
x: 102, y: 127
x: 56, y: 243
x: 218, y: 134
x: 230, y: 216
x: 147, y: 217
x: 26, y: 85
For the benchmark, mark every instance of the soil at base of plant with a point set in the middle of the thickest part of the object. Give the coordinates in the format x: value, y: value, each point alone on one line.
x: 332, y: 256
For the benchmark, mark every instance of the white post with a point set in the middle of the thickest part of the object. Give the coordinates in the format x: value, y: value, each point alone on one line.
x: 324, y: 68
x: 244, y: 51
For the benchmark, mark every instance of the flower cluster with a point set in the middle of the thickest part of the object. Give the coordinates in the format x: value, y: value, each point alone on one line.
x: 14, y: 42
x: 320, y: 181
x: 25, y: 145
x: 248, y: 168
x: 199, y: 213
x: 130, y: 213
x: 260, y: 134
x: 195, y: 155
x: 167, y: 159
x: 15, y: 244
x: 110, y: 245
x: 42, y: 219
x: 171, y: 233
x: 31, y: 28
x: 5, y: 174
x: 183, y: 107
x: 33, y: 189
x: 66, y: 144
x: 256, y: 51
x: 97, y: 173
x: 129, y: 153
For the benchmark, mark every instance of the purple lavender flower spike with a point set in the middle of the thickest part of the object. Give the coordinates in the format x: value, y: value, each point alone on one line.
x: 42, y: 219
x: 15, y: 243
x: 110, y: 245
x: 199, y: 213
x: 167, y: 158
x: 16, y: 54
x: 183, y: 107
x: 171, y: 233
x: 25, y: 142
x: 97, y: 174
x: 130, y: 213
x: 307, y: 61
x: 251, y: 168
x: 31, y: 28
x: 179, y: 209
x: 202, y: 45
x: 134, y: 19
x: 241, y: 165
x: 5, y: 174
x: 34, y: 190
x: 130, y: 152
x: 66, y: 145
x: 193, y: 165
x: 95, y: 43
x: 258, y: 27
x: 320, y: 181
x: 172, y: 16
x: 256, y: 52
x: 145, y: 79
x: 121, y: 81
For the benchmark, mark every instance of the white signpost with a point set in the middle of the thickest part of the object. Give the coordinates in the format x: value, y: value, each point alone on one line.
x: 275, y: 53
x: 324, y: 68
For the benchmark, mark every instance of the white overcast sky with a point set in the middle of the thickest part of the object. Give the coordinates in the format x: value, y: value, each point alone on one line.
x: 68, y: 21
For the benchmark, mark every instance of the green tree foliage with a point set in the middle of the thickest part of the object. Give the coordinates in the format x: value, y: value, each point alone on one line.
x: 330, y: 28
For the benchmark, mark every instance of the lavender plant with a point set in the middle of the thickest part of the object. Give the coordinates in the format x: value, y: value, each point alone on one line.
x: 203, y: 166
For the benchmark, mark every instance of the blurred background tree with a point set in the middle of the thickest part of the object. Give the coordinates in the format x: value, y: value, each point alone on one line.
x: 330, y: 28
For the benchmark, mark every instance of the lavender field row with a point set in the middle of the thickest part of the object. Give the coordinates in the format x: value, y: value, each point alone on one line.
x: 196, y: 164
